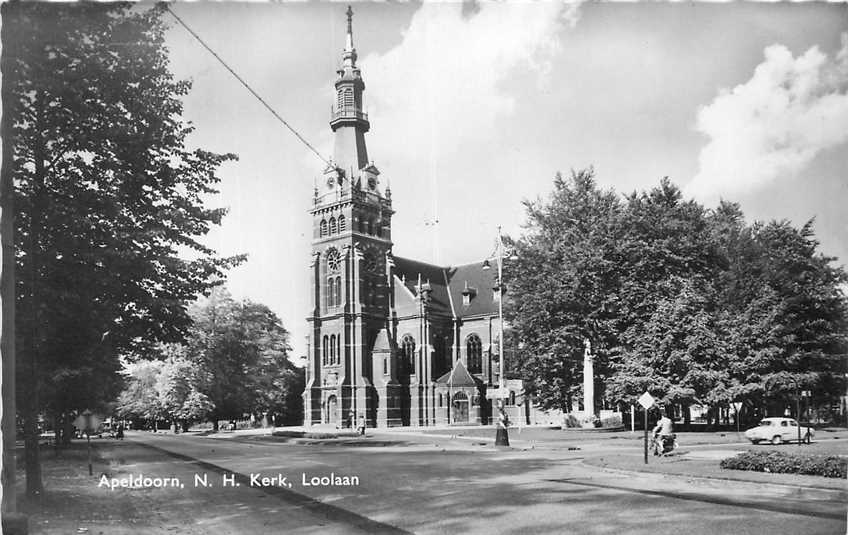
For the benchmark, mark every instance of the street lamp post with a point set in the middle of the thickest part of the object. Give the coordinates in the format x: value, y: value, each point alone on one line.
x: 502, y: 437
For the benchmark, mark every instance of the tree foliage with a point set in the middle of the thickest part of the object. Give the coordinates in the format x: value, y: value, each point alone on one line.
x: 567, y: 264
x: 241, y: 349
x: 234, y: 362
x: 693, y: 305
x: 163, y: 389
x: 108, y: 198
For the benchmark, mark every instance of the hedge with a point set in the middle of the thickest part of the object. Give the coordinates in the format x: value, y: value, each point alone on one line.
x: 779, y: 462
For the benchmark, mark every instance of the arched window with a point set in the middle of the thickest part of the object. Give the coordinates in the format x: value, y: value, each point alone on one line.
x: 323, y: 226
x: 332, y: 225
x: 338, y: 291
x: 325, y: 349
x: 339, y: 349
x: 407, y: 355
x: 348, y: 98
x: 378, y: 229
x: 369, y: 228
x: 341, y: 223
x: 512, y: 398
x: 332, y: 349
x: 473, y: 353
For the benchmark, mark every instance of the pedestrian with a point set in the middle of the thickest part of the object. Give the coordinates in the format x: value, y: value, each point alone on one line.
x: 351, y: 420
x: 361, y: 426
x: 120, y: 433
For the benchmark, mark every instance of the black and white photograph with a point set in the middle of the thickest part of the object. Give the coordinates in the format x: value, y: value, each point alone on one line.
x: 422, y: 267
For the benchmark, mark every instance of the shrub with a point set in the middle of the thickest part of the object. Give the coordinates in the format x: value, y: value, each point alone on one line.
x: 779, y: 462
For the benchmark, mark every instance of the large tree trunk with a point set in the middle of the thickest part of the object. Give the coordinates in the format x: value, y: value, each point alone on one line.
x: 32, y: 458
x: 7, y: 285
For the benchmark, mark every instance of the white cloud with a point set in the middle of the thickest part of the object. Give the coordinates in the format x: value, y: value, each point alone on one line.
x: 442, y: 85
x: 773, y: 125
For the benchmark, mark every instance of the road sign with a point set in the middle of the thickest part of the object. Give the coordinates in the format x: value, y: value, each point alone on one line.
x: 805, y: 393
x: 514, y: 384
x: 737, y: 405
x: 646, y: 400
x: 498, y: 393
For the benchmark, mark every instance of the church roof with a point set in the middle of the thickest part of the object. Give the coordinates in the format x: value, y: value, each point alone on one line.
x: 457, y: 377
x: 472, y: 277
x: 449, y: 284
x: 409, y: 270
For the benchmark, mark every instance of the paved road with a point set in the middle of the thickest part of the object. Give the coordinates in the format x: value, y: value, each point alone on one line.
x: 453, y: 486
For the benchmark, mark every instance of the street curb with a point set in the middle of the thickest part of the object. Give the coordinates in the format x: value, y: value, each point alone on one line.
x: 708, y: 478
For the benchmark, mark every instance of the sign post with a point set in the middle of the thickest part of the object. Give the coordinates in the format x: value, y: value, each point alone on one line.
x: 646, y: 401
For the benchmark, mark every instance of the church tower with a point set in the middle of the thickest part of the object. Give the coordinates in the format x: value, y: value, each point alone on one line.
x: 351, y: 369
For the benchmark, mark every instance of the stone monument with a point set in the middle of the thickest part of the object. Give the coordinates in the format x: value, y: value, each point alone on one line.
x: 588, y: 382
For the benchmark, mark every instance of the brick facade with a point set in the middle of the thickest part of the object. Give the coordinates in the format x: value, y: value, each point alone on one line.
x: 393, y: 340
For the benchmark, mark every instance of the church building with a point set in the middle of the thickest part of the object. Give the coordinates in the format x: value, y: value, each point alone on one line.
x: 392, y: 340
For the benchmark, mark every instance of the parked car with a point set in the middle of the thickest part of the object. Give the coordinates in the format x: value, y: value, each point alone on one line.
x: 778, y: 430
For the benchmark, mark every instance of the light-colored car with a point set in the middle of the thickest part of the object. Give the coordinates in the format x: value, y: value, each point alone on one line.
x: 777, y: 430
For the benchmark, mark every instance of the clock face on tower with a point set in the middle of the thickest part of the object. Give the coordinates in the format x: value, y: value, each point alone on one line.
x: 331, y: 182
x: 372, y: 183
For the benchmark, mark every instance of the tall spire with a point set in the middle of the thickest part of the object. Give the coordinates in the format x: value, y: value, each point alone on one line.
x: 349, y: 56
x: 349, y: 120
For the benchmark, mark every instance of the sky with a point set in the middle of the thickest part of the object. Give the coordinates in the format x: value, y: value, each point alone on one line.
x: 475, y: 107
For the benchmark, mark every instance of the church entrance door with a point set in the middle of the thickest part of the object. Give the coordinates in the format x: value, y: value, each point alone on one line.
x: 460, y: 408
x: 332, y: 411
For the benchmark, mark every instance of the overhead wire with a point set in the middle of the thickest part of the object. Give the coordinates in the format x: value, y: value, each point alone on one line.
x: 247, y: 86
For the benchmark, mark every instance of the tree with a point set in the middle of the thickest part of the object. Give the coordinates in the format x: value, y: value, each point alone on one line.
x: 563, y: 286
x: 693, y: 305
x: 667, y: 342
x: 163, y: 388
x: 234, y: 361
x: 785, y: 316
x: 241, y: 352
x: 286, y: 399
x: 141, y: 397
x: 108, y: 194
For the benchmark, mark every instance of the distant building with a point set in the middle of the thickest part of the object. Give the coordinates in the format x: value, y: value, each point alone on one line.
x: 395, y: 340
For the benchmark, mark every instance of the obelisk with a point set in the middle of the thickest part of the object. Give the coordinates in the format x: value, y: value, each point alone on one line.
x: 588, y: 381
